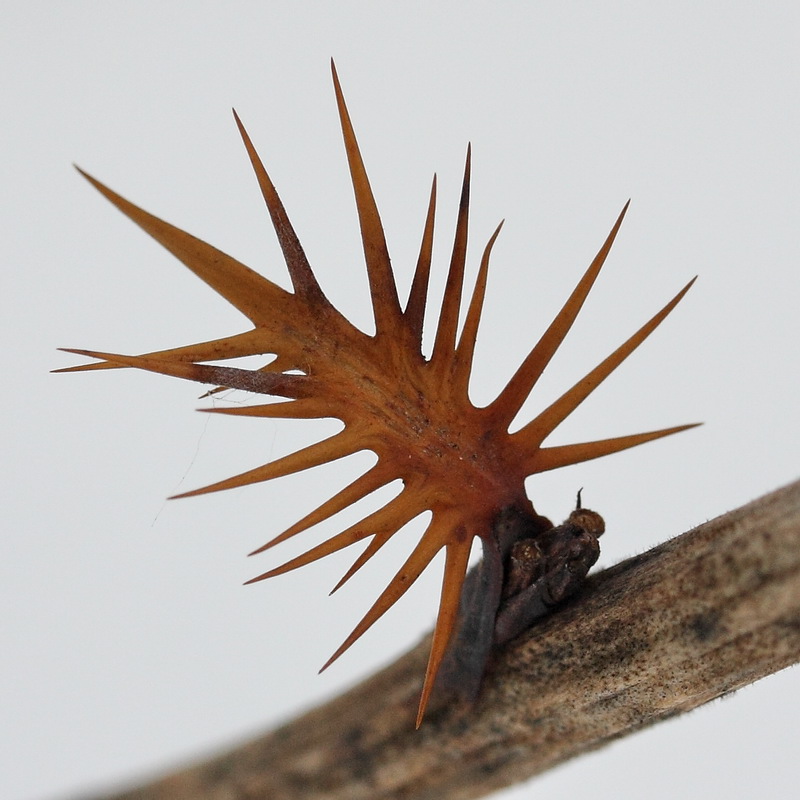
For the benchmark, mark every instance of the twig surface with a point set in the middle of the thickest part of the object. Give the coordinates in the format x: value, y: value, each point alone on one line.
x: 656, y: 635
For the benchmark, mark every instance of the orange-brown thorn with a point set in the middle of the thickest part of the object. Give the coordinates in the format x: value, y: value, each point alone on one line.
x: 456, y: 461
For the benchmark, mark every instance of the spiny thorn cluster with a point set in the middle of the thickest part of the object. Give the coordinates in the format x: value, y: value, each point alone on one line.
x: 455, y: 460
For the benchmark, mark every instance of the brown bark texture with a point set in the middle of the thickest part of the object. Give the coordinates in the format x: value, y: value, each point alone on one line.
x: 654, y: 636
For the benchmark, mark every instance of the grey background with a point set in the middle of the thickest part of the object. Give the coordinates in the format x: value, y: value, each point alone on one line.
x: 128, y: 642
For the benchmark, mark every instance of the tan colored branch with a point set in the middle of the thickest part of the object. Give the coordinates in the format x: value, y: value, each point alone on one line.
x: 659, y: 634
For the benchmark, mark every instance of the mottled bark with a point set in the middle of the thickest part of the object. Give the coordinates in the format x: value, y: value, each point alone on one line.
x: 656, y: 635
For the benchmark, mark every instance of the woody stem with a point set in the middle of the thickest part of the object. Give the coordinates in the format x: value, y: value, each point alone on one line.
x: 659, y: 634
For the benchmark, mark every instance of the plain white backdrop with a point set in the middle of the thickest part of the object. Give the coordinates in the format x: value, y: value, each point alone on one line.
x: 128, y: 642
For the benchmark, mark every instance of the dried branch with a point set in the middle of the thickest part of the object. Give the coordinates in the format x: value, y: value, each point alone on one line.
x: 656, y: 635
